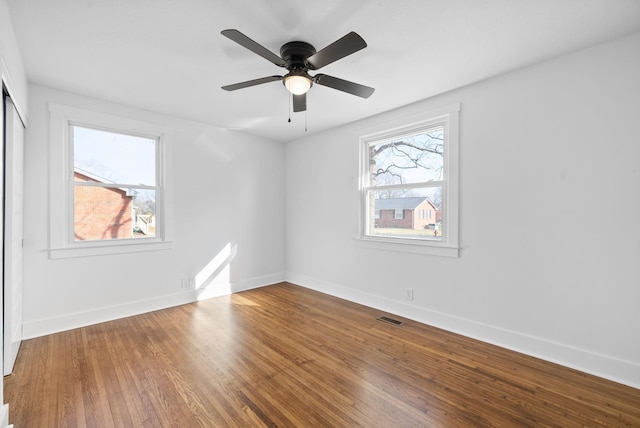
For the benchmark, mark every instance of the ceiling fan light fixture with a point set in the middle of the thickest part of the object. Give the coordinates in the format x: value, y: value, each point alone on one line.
x: 297, y: 84
x: 298, y: 58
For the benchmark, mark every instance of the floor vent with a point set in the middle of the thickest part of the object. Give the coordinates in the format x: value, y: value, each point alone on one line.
x: 389, y: 320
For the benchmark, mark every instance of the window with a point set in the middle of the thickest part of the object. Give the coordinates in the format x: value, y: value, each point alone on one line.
x: 376, y: 214
x: 109, y: 178
x: 405, y: 169
x: 114, y: 185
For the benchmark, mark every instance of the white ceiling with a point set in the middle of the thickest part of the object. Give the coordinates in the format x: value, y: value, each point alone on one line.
x: 168, y: 56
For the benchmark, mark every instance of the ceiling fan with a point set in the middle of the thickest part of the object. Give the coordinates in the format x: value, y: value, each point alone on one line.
x: 300, y: 57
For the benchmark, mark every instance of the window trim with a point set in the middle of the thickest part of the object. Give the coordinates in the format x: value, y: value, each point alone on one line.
x: 448, y: 246
x: 62, y: 118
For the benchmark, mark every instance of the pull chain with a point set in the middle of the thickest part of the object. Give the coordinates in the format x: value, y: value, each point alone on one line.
x: 306, y: 117
x: 306, y: 110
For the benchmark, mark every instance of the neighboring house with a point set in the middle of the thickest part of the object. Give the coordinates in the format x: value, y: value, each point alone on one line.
x: 101, y: 212
x: 406, y: 213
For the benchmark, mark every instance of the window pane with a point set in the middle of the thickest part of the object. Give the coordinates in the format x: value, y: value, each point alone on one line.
x: 113, y: 158
x: 413, y: 159
x: 144, y: 214
x: 421, y: 213
x: 104, y: 213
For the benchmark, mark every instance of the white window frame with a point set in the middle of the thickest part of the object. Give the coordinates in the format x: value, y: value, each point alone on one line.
x: 61, y: 222
x: 448, y: 117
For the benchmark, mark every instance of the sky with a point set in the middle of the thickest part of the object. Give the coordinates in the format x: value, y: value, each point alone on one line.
x: 120, y: 158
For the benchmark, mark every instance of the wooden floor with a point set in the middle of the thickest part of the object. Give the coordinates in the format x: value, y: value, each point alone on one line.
x: 285, y: 356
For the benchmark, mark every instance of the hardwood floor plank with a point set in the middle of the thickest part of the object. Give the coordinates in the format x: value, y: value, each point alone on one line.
x: 286, y: 356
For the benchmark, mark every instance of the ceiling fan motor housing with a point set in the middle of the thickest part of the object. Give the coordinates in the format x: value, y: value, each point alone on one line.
x: 295, y: 54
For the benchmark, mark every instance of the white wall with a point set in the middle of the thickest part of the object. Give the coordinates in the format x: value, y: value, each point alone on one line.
x: 549, y: 226
x: 11, y: 67
x: 228, y: 193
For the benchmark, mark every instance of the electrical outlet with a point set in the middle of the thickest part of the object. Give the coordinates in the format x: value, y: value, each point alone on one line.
x: 185, y: 282
x: 409, y: 293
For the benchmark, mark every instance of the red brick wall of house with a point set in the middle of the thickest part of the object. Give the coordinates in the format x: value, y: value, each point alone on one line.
x: 387, y: 219
x: 101, y: 212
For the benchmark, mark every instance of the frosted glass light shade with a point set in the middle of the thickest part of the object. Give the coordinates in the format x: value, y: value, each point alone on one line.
x: 297, y: 85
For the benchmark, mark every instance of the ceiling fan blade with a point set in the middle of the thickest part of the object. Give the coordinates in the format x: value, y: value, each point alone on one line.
x: 299, y: 103
x: 253, y: 82
x: 343, y: 85
x: 253, y: 46
x: 345, y: 46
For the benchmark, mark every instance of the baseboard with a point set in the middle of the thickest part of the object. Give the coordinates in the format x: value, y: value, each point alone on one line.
x: 222, y: 288
x: 42, y: 327
x: 624, y: 372
x: 4, y: 416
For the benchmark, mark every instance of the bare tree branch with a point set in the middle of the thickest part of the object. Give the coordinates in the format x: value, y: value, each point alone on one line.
x: 437, y: 149
x: 404, y: 149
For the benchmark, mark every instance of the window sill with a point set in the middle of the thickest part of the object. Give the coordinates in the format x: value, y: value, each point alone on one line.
x: 406, y: 246
x: 99, y: 250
